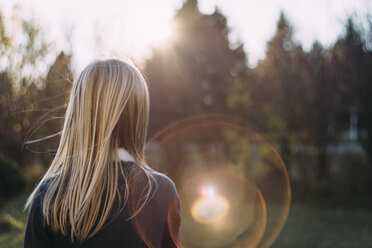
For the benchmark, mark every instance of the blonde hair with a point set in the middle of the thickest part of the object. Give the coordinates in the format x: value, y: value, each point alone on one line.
x: 108, y: 108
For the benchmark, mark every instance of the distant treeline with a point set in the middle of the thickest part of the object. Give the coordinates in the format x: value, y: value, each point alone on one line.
x: 295, y: 97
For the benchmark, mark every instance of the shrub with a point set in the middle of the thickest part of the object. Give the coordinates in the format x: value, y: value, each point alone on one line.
x: 12, y: 181
x: 5, y: 225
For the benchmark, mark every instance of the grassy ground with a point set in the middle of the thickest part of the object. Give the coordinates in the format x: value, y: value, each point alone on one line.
x: 306, y: 226
x: 326, y: 227
x: 13, y: 214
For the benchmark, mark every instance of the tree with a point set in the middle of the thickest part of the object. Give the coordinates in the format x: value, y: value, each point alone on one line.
x: 27, y: 97
x: 354, y: 64
x: 323, y: 96
x: 195, y: 73
x: 18, y: 81
x: 280, y: 90
x: 48, y: 106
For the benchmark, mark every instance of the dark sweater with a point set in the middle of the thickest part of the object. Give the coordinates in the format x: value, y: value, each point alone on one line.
x: 157, y: 225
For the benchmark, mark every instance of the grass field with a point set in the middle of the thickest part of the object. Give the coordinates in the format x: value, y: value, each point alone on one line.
x: 326, y: 227
x: 306, y: 226
x: 12, y: 212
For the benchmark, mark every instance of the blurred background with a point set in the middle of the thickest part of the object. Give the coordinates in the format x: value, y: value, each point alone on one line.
x: 290, y: 80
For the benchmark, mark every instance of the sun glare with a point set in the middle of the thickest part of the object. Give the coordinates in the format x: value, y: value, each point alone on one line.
x: 153, y: 25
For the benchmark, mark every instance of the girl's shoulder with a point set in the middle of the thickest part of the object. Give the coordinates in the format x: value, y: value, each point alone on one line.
x: 163, y: 189
x: 160, y: 181
x: 164, y: 181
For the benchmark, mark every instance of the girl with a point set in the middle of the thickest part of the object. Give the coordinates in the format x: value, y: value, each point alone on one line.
x: 99, y: 191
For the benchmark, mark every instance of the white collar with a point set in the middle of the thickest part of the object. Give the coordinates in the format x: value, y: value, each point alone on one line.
x: 124, y: 155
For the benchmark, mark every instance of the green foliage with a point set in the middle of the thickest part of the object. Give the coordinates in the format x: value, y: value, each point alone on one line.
x: 250, y: 153
x: 8, y: 223
x: 12, y: 181
x: 24, y: 56
x: 24, y: 52
x: 5, y: 225
x: 29, y: 96
x: 14, y: 219
x: 242, y: 97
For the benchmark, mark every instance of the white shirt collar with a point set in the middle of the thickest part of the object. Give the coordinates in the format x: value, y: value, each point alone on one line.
x: 124, y: 155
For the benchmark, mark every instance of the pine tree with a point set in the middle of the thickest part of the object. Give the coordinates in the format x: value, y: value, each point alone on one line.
x: 281, y: 87
x: 195, y: 73
x: 48, y: 106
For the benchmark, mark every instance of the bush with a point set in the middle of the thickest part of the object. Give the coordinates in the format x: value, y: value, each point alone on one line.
x: 12, y: 181
x: 5, y: 225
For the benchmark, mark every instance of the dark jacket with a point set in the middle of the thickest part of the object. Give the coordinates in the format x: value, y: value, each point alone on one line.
x: 157, y: 225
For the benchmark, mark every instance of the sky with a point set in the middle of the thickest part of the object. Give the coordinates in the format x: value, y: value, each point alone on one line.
x: 92, y: 28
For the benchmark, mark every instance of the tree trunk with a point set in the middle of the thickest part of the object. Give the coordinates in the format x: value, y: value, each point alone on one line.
x: 285, y: 153
x: 323, y: 170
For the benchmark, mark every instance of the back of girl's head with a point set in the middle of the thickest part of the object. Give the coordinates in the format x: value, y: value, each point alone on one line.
x: 108, y: 108
x: 109, y: 105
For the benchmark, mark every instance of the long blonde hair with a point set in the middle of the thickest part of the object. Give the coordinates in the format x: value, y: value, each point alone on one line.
x: 108, y: 108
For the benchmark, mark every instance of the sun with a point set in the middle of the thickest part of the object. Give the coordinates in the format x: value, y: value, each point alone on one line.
x: 153, y: 25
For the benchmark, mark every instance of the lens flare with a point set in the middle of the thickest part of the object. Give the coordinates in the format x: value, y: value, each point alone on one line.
x: 210, y: 208
x: 233, y: 185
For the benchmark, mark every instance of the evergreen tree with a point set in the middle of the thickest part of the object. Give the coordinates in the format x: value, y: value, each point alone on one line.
x: 49, y: 105
x: 195, y: 73
x: 280, y: 88
x: 353, y: 64
x: 321, y: 107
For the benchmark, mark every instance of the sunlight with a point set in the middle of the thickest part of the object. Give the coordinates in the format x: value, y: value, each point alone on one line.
x: 153, y: 25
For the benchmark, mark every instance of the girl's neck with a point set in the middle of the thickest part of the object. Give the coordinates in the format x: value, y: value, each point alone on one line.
x: 124, y: 155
